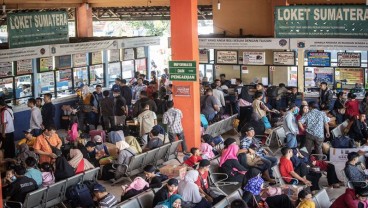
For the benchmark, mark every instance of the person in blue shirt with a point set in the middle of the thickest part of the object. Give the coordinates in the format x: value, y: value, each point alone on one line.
x: 32, y: 172
x: 116, y: 86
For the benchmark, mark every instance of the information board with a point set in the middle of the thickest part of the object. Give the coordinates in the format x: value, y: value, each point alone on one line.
x: 254, y: 58
x: 319, y: 59
x: 204, y: 56
x: 24, y: 66
x: 63, y: 62
x: 46, y: 64
x: 183, y: 70
x: 96, y: 57
x: 79, y: 59
x: 351, y: 75
x: 6, y: 69
x: 284, y: 58
x: 227, y: 57
x: 128, y: 54
x: 348, y: 59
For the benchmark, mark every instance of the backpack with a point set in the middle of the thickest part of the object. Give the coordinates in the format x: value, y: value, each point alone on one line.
x: 343, y: 142
x: 272, y: 91
x: 79, y: 195
x: 204, y: 121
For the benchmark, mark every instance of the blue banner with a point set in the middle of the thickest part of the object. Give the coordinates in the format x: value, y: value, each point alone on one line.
x: 319, y: 59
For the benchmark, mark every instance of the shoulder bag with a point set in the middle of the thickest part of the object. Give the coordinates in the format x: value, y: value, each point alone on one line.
x: 54, y: 149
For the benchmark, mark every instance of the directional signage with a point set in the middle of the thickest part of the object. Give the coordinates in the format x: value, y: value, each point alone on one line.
x: 183, y: 70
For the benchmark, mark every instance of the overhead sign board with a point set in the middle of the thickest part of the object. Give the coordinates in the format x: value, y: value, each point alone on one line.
x: 284, y: 58
x: 83, y: 47
x: 183, y: 70
x: 254, y: 58
x: 343, y: 21
x: 227, y: 57
x: 37, y: 28
x: 329, y: 44
x: 319, y: 59
x: 243, y: 43
x: 348, y: 59
x: 138, y: 42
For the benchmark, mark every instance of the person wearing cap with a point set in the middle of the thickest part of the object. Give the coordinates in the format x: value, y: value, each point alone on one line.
x: 155, y: 139
x: 166, y: 191
x: 28, y: 139
x: 290, y: 126
x: 317, y: 125
x: 325, y: 97
x: 7, y: 130
x: 352, y: 171
x: 102, y: 197
x: 138, y: 89
x: 203, y: 183
x: 352, y: 198
x: 36, y: 117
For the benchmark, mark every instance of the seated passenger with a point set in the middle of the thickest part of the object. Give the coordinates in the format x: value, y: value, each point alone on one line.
x: 48, y: 177
x: 305, y: 200
x: 155, y: 141
x: 206, y: 150
x: 153, y: 177
x: 209, y: 105
x: 136, y: 187
x: 190, y: 191
x: 352, y: 171
x: 102, y: 153
x: 32, y: 172
x: 63, y: 169
x: 194, y: 159
x: 359, y: 130
x: 133, y: 143
x: 78, y: 162
x: 229, y: 163
x: 352, y: 198
x: 24, y: 153
x: 102, y: 197
x: 23, y: 185
x: 166, y: 191
x: 174, y: 201
x: 28, y: 139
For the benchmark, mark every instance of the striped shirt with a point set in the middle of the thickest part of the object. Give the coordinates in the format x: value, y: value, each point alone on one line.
x: 172, y: 118
x: 108, y: 201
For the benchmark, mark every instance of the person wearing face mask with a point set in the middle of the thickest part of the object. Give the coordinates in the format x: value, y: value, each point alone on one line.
x: 290, y: 126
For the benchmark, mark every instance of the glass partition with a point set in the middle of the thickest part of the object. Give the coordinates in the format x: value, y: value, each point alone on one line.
x: 114, y: 71
x: 96, y: 75
x: 64, y: 84
x: 80, y: 76
x: 46, y: 82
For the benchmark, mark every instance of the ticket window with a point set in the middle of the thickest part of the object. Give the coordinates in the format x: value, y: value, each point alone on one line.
x: 64, y: 83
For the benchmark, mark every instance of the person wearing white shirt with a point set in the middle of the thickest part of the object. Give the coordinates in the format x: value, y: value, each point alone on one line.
x: 219, y: 95
x: 36, y: 118
x: 7, y: 130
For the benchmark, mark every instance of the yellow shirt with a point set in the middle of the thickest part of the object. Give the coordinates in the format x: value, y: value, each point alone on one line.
x: 307, y: 204
x: 29, y: 142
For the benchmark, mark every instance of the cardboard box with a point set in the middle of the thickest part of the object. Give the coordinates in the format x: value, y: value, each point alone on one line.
x: 173, y: 171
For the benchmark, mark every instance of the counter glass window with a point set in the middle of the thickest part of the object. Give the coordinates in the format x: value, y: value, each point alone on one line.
x: 114, y: 71
x: 96, y: 74
x: 283, y: 74
x: 315, y: 75
x: 141, y: 66
x: 6, y: 69
x: 128, y: 70
x: 46, y: 82
x: 64, y: 84
x: 80, y: 77
x: 6, y: 89
x: 23, y: 88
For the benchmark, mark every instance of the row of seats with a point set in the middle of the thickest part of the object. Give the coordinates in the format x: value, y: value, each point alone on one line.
x: 55, y: 194
x: 221, y: 127
x: 154, y: 157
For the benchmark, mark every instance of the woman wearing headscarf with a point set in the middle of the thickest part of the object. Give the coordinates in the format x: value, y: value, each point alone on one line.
x: 207, y: 151
x: 134, y: 144
x: 78, y: 162
x: 63, y: 169
x: 136, y: 187
x: 174, y: 201
x: 189, y: 191
x: 245, y: 106
x: 229, y: 163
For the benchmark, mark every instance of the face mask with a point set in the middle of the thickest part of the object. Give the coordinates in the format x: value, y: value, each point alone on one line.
x: 13, y: 178
x: 296, y: 111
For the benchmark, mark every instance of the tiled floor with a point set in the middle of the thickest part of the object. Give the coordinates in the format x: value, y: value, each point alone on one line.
x: 332, y: 192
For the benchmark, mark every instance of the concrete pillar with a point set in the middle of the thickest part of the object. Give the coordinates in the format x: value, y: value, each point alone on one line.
x: 84, y: 26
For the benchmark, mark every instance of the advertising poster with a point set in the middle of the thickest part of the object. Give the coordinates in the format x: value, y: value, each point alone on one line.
x: 319, y: 59
x: 6, y: 69
x: 254, y: 58
x: 227, y: 57
x: 140, y: 52
x: 141, y: 66
x: 128, y: 54
x: 96, y: 57
x: 283, y: 58
x: 182, y: 91
x: 65, y: 75
x: 114, y: 70
x: 63, y: 62
x: 348, y: 59
x: 37, y: 28
x: 315, y: 75
x: 79, y: 59
x: 114, y: 55
x: 46, y: 64
x: 47, y: 79
x: 204, y: 56
x: 351, y: 75
x: 321, y: 21
x: 24, y: 66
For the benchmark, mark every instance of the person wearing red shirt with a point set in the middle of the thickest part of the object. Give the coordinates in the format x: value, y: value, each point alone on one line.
x: 352, y: 106
x: 194, y: 159
x: 287, y: 170
x: 352, y: 198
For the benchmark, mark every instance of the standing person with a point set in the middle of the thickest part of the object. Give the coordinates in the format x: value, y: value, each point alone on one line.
x: 219, y: 95
x: 317, y: 122
x: 209, y: 105
x: 325, y: 97
x: 260, y: 88
x: 48, y: 111
x: 147, y: 119
x: 107, y: 110
x: 290, y: 126
x: 352, y: 106
x: 7, y: 130
x: 339, y: 108
x: 39, y: 103
x: 245, y: 106
x: 126, y: 92
x: 224, y: 81
x: 120, y: 108
x: 172, y: 117
x: 116, y: 86
x: 44, y: 142
x: 281, y: 97
x: 143, y: 98
x: 97, y: 97
x: 138, y: 89
x: 301, y: 137
x: 36, y: 118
